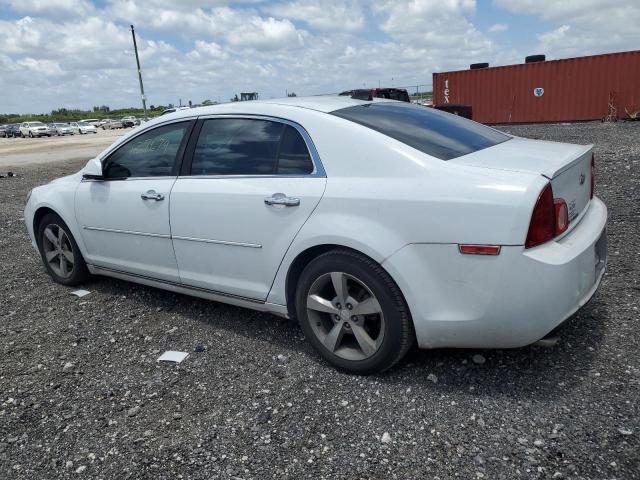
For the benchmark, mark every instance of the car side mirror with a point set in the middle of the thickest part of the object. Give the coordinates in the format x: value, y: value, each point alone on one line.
x: 93, y: 170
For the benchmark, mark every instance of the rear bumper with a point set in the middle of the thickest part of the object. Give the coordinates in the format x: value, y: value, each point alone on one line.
x: 503, y: 301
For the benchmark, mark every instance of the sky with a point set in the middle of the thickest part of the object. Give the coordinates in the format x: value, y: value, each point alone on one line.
x: 79, y: 53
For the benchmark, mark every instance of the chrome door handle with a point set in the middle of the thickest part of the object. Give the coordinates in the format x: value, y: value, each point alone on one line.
x: 152, y: 195
x: 282, y: 199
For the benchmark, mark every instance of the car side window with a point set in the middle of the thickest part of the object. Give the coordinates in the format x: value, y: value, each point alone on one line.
x: 236, y: 146
x: 242, y: 146
x: 151, y: 154
x: 294, y: 157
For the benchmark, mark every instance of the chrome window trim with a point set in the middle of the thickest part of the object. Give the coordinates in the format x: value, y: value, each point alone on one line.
x: 318, y: 168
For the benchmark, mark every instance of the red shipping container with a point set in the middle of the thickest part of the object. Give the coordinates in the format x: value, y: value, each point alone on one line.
x: 572, y: 89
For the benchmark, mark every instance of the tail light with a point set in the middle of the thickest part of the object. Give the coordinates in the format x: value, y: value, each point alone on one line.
x: 562, y: 215
x: 550, y: 218
x: 593, y: 174
x: 543, y: 220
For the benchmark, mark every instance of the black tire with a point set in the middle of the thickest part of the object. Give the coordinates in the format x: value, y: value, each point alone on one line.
x: 79, y: 273
x: 31, y: 134
x: 398, y: 327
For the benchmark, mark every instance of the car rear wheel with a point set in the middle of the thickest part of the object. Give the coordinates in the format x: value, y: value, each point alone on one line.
x: 31, y: 134
x: 60, y: 253
x: 353, y: 313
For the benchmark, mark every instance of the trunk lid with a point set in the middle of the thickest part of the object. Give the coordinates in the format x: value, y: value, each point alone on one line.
x: 567, y: 166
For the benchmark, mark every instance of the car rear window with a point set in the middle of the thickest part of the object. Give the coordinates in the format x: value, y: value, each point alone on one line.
x: 439, y: 134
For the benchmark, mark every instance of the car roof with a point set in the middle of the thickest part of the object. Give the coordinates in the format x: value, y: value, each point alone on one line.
x: 320, y: 103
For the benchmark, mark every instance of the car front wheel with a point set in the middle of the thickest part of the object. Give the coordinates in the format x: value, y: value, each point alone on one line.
x: 60, y: 253
x: 353, y: 313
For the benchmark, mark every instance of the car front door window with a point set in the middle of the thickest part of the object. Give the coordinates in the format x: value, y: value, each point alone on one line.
x: 151, y: 154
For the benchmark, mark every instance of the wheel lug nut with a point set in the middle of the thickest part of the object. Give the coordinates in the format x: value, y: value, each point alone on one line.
x: 338, y: 306
x: 337, y: 317
x: 349, y: 306
x: 354, y: 318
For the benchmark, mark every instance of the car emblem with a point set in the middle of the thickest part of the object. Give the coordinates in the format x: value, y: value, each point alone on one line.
x: 582, y: 178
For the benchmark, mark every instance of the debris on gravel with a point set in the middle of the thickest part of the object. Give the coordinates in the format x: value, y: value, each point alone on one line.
x: 478, y: 359
x: 235, y: 411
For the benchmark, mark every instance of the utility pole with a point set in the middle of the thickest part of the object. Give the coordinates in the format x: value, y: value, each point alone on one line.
x: 135, y: 47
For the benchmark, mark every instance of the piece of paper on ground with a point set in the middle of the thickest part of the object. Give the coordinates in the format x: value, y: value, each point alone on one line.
x: 171, y: 356
x: 81, y: 293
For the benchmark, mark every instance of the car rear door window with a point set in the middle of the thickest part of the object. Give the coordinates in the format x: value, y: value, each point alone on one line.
x: 244, y: 146
x: 294, y: 157
x: 150, y: 154
x: 441, y: 135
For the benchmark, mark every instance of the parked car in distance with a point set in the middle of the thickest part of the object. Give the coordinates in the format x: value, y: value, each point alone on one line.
x: 129, y: 122
x: 92, y: 121
x: 12, y: 130
x: 34, y: 129
x: 60, y: 129
x: 82, y: 128
x: 111, y: 124
x: 3, y: 130
x: 373, y: 223
x: 400, y: 94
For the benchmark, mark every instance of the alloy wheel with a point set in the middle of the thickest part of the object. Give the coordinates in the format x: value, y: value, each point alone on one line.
x: 345, y: 316
x: 58, y: 251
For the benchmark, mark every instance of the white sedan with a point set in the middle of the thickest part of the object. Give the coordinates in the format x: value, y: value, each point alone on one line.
x: 83, y: 127
x: 374, y: 223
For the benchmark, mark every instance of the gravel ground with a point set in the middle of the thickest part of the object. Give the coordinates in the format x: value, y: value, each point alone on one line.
x: 82, y: 396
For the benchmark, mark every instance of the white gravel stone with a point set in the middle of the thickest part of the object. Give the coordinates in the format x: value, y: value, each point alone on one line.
x: 386, y: 438
x: 283, y: 358
x: 478, y: 359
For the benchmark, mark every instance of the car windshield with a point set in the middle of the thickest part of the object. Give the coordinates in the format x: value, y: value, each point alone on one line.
x: 84, y: 124
x: 36, y: 124
x: 439, y: 134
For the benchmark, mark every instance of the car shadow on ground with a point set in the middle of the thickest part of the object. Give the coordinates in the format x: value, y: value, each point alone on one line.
x: 532, y: 372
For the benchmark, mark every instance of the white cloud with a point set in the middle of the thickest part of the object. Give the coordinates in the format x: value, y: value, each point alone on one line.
x: 265, y: 34
x: 326, y: 15
x: 44, y: 67
x: 498, y: 27
x: 582, y: 27
x: 56, y: 8
x: 216, y: 48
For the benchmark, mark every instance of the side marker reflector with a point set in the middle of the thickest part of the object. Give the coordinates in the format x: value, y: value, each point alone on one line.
x: 479, y: 249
